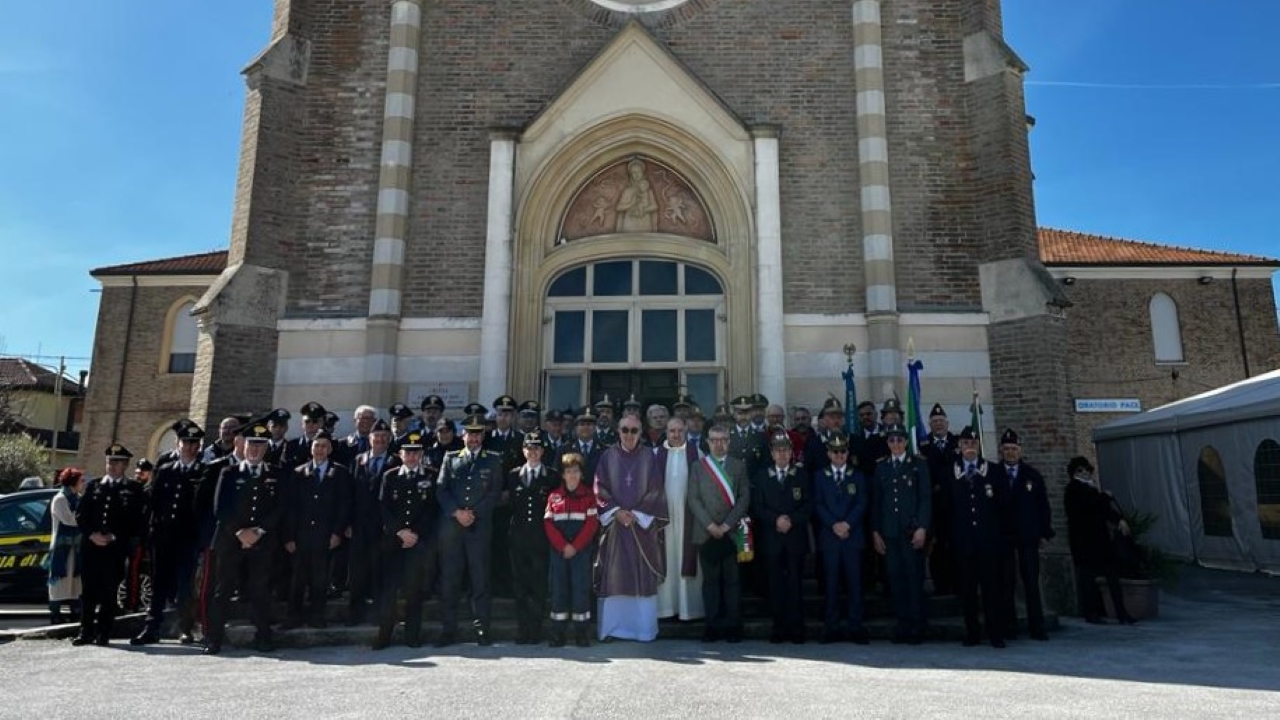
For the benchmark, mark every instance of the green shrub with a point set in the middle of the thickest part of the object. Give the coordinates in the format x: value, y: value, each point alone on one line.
x: 21, y: 457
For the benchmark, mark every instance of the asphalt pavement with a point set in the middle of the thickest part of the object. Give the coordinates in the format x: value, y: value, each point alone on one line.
x: 1212, y: 653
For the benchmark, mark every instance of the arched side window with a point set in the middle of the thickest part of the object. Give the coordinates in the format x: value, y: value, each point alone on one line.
x: 1166, y: 331
x: 162, y: 440
x: 1266, y: 478
x: 1215, y: 504
x: 180, y: 333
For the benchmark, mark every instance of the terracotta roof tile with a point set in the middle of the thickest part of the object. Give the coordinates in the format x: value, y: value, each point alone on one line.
x: 22, y: 374
x: 1066, y: 247
x: 210, y: 263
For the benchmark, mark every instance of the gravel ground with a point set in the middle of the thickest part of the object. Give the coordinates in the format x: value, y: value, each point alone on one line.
x: 1213, y: 653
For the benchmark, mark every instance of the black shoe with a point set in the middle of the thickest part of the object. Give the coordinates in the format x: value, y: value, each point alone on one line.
x: 146, y: 637
x: 291, y: 624
x: 900, y: 638
x: 915, y: 639
x: 445, y: 640
x: 318, y: 624
x: 1095, y: 621
x: 381, y: 642
x: 413, y: 642
x: 997, y: 644
x: 1128, y: 620
x: 1040, y: 635
x: 81, y: 640
x: 859, y: 637
x: 102, y: 641
x: 583, y: 638
x: 263, y: 644
x: 483, y: 639
x: 187, y: 638
x: 556, y: 641
x: 733, y: 637
x: 709, y: 635
x: 970, y: 642
x: 777, y: 638
x: 213, y: 649
x: 796, y: 638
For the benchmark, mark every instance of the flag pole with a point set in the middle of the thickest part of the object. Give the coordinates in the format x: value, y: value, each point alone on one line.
x: 850, y: 389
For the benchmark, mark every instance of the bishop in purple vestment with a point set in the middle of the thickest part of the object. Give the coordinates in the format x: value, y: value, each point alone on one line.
x: 631, y: 561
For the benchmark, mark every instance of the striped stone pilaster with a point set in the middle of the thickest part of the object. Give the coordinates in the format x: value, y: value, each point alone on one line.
x: 393, y: 192
x: 883, y: 352
x: 392, y: 225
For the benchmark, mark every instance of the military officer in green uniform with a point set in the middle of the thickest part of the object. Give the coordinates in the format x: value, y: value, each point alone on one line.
x: 900, y: 515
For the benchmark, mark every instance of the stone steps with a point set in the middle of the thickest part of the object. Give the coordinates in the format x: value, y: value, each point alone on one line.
x: 944, y: 629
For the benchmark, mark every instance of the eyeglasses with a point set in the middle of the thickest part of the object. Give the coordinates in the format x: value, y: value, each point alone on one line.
x: 629, y: 430
x: 717, y: 439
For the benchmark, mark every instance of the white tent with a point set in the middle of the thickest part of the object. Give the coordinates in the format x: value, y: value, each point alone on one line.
x: 1209, y: 468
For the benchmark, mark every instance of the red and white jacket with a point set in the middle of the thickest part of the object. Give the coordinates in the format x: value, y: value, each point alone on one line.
x: 571, y: 518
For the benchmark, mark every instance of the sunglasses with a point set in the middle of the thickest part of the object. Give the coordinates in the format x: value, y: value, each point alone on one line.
x: 629, y: 430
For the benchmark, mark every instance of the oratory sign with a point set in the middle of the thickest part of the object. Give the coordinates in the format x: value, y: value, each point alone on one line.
x: 637, y: 195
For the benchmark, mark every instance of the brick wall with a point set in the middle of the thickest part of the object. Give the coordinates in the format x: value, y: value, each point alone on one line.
x: 487, y: 64
x: 150, y: 398
x: 1110, y: 352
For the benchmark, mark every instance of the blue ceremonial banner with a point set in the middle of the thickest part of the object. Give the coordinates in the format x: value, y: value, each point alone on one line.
x: 850, y: 396
x: 915, y: 423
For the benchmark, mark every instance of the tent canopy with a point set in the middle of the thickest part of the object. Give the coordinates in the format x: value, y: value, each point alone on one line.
x: 1257, y: 397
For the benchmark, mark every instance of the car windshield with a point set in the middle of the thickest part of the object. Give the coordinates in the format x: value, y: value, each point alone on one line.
x: 25, y: 515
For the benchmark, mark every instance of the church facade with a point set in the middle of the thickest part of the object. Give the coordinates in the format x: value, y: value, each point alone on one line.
x: 558, y: 199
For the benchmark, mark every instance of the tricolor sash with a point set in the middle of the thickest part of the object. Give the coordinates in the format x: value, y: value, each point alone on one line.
x: 742, y: 536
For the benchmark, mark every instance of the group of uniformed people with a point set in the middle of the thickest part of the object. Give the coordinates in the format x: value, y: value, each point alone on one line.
x: 401, y: 509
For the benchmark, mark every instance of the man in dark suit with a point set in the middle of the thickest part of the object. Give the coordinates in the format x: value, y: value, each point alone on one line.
x: 173, y: 535
x: 941, y: 451
x: 900, y: 514
x: 409, y: 518
x: 719, y: 497
x: 468, y: 490
x: 1029, y: 527
x: 111, y: 520
x: 782, y: 501
x: 365, y: 526
x: 249, y: 508
x: 978, y: 496
x: 527, y: 488
x: 840, y: 504
x: 318, y: 500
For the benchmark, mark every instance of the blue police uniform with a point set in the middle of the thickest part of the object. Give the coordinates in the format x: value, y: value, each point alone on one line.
x: 840, y: 495
x: 977, y: 536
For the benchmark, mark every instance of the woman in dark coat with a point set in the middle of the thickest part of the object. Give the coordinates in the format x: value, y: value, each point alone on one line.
x: 1089, y: 514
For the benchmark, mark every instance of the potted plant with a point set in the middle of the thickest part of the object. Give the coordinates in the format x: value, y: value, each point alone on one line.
x: 1142, y: 569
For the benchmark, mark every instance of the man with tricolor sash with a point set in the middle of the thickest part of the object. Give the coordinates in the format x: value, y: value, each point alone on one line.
x: 719, y: 496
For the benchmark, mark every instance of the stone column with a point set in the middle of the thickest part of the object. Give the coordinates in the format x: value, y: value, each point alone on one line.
x: 392, y: 224
x: 495, y: 322
x: 883, y: 353
x: 771, y: 375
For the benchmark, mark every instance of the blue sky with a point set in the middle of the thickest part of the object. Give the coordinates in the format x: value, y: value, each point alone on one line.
x: 120, y: 131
